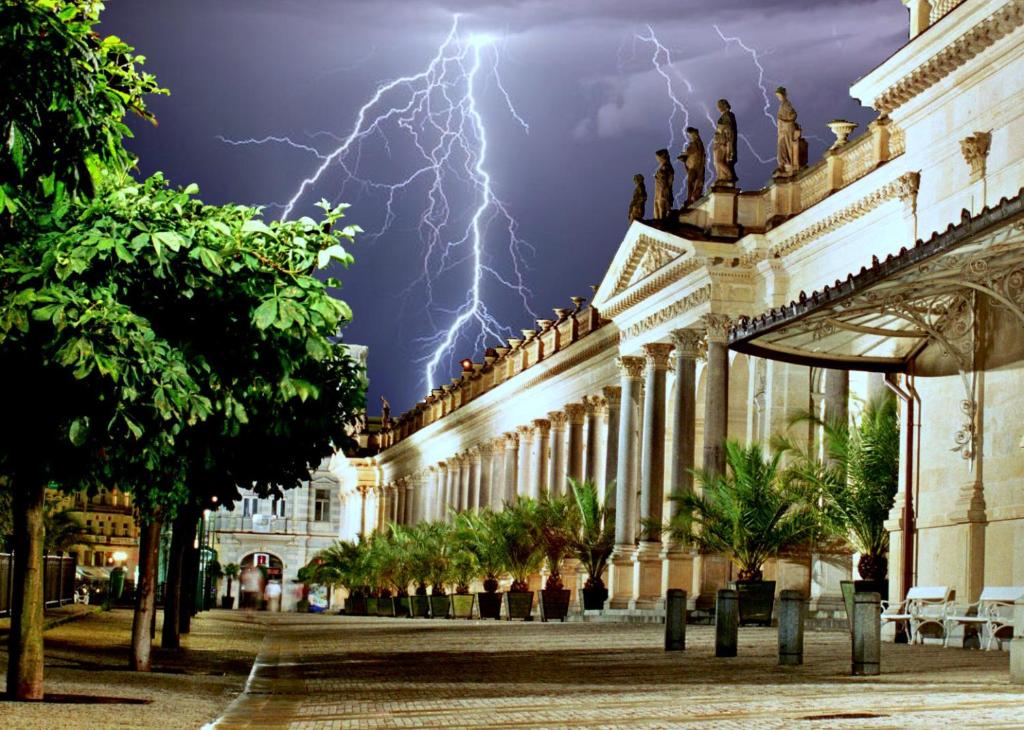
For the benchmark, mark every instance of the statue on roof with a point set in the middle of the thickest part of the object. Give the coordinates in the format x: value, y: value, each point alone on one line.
x: 792, y: 148
x: 638, y: 205
x: 694, y: 161
x: 664, y: 181
x: 385, y: 413
x: 723, y: 146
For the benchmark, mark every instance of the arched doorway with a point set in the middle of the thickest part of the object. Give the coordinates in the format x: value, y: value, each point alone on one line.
x: 260, y: 579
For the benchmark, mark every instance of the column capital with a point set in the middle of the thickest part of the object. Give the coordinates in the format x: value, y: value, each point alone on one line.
x: 442, y: 466
x: 473, y: 453
x: 631, y: 367
x: 688, y: 343
x: 485, y: 448
x: 612, y: 396
x: 542, y: 426
x: 656, y: 354
x: 593, y: 404
x: 717, y: 327
x: 575, y: 412
x: 558, y: 420
x: 511, y: 439
x: 498, y: 444
x: 525, y: 432
x: 432, y: 469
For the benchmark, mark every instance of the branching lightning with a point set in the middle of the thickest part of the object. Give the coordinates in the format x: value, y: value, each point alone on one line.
x: 437, y: 110
x: 761, y: 82
x: 661, y: 59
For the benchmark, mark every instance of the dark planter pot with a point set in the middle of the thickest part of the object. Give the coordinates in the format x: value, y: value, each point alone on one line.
x: 227, y: 602
x: 554, y: 604
x: 419, y: 606
x: 594, y: 598
x: 371, y: 606
x: 355, y: 606
x: 385, y: 606
x: 519, y: 604
x: 462, y: 605
x: 402, y: 607
x: 757, y: 599
x: 489, y: 605
x: 439, y: 606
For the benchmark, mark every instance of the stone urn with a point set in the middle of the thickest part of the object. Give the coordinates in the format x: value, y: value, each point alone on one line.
x: 842, y: 129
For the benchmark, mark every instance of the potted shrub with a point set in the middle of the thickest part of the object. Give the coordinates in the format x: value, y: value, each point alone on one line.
x: 477, y: 535
x: 231, y: 571
x: 464, y: 568
x: 592, y: 541
x: 751, y: 513
x: 418, y: 557
x: 515, y: 528
x: 555, y: 525
x: 437, y: 543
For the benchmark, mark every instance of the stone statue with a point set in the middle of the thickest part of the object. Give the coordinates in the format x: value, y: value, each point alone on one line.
x: 664, y: 181
x: 694, y: 162
x: 789, y: 155
x: 385, y: 413
x: 723, y: 146
x: 638, y: 205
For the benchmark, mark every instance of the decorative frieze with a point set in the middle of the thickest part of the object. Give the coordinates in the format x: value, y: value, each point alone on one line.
x: 691, y: 301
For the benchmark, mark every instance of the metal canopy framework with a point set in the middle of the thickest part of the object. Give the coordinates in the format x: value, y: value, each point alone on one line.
x: 897, y: 310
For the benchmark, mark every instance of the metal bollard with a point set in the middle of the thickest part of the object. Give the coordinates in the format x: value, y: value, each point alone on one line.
x: 727, y: 623
x: 675, y: 620
x: 867, y: 634
x: 1017, y: 644
x: 791, y: 628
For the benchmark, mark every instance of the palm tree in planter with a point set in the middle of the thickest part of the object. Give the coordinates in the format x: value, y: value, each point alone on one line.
x: 400, y: 544
x: 556, y: 525
x: 515, y: 527
x: 231, y: 571
x: 479, y: 537
x: 438, y: 542
x: 342, y: 566
x: 856, y: 483
x: 592, y: 541
x: 418, y: 557
x: 751, y: 513
x: 465, y: 569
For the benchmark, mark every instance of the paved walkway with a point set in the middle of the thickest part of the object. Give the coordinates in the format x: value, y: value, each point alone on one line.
x: 339, y: 672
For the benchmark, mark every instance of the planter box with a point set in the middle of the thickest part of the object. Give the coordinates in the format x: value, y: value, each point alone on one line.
x: 439, y: 606
x: 462, y: 605
x: 519, y: 604
x: 489, y: 605
x: 419, y: 606
x: 371, y: 606
x: 594, y: 598
x: 355, y: 606
x: 554, y: 604
x: 757, y: 599
x: 227, y: 602
x: 401, y: 606
x: 385, y: 606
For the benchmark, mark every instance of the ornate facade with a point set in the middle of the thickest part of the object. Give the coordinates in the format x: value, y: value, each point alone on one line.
x: 746, y: 306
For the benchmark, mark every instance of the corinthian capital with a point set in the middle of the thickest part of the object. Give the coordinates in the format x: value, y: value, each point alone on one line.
x: 688, y: 343
x: 631, y: 367
x: 656, y: 354
x: 575, y: 412
x: 717, y: 327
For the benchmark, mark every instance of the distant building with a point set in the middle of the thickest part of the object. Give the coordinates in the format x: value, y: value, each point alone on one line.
x: 109, y: 534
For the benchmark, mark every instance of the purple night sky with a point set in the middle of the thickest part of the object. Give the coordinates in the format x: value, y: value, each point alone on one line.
x: 576, y: 73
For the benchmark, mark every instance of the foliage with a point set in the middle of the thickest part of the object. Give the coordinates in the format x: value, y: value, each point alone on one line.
x: 61, y: 528
x: 856, y: 483
x: 752, y: 513
x: 231, y: 570
x: 478, y: 536
x: 516, y: 533
x: 555, y: 527
x: 594, y: 539
x: 63, y: 98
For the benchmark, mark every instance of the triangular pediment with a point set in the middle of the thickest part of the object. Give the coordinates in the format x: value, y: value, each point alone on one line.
x: 643, y: 252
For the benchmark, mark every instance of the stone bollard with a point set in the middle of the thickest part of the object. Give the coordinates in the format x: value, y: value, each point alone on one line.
x: 675, y: 620
x: 727, y: 623
x: 1017, y: 644
x: 867, y: 634
x: 791, y: 628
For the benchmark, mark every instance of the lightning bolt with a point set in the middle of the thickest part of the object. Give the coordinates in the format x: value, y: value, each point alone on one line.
x: 761, y: 83
x: 436, y: 109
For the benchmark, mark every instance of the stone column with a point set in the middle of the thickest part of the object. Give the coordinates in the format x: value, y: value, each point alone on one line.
x: 483, y: 477
x: 512, y: 450
x: 362, y: 510
x: 577, y: 413
x: 677, y: 564
x: 465, y: 481
x: 498, y: 482
x: 610, y: 471
x: 592, y: 456
x: 454, y: 474
x: 647, y: 560
x: 401, y: 501
x: 556, y: 464
x: 837, y: 395
x: 526, y: 437
x: 620, y: 572
x: 539, y: 456
x: 438, y: 494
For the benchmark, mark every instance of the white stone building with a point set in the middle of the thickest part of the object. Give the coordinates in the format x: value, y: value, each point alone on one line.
x: 750, y: 304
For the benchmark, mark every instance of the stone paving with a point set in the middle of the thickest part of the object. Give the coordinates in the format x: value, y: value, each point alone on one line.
x: 341, y: 672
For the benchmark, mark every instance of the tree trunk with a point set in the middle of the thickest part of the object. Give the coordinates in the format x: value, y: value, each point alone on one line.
x: 25, y: 643
x: 145, y: 598
x: 169, y: 637
x: 189, y: 575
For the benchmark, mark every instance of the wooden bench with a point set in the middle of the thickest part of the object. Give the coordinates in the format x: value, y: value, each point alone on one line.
x: 992, y: 614
x: 923, y: 606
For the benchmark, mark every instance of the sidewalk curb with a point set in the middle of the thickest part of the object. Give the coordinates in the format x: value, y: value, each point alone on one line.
x: 59, y: 620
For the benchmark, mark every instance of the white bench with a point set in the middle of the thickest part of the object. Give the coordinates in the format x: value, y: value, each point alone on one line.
x: 992, y: 614
x: 923, y: 606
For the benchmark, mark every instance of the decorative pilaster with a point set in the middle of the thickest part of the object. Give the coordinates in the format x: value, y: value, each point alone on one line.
x: 631, y: 371
x: 556, y: 463
x: 576, y: 413
x: 652, y: 456
x: 539, y: 457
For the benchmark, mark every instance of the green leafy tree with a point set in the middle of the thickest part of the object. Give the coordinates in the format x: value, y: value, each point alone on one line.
x: 594, y: 539
x: 751, y: 513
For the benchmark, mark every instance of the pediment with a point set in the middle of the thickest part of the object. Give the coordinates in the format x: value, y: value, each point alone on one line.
x: 643, y: 253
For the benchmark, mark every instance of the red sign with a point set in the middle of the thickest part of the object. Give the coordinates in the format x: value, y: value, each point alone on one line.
x: 261, y: 560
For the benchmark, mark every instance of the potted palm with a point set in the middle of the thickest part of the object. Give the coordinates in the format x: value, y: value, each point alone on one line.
x: 231, y: 571
x: 418, y: 557
x: 478, y: 536
x: 592, y: 542
x: 751, y: 513
x: 464, y: 571
x: 437, y: 543
x: 555, y: 525
x: 515, y: 528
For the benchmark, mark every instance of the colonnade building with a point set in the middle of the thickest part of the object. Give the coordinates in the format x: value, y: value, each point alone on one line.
x: 899, y: 256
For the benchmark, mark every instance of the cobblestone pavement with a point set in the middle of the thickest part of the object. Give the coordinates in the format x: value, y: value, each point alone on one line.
x: 340, y: 672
